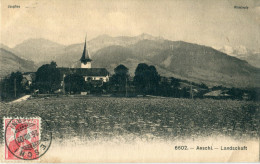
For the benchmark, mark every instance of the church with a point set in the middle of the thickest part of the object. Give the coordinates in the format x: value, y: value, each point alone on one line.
x: 89, y: 74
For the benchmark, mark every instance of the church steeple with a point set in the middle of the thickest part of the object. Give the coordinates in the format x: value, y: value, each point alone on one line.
x: 85, y: 59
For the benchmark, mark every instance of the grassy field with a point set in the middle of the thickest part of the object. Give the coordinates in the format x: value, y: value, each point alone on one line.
x: 95, y: 117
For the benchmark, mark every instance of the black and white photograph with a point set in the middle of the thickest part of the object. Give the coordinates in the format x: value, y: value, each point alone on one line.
x: 122, y: 81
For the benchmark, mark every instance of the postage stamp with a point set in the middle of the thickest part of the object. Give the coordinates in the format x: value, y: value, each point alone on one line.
x: 23, y: 139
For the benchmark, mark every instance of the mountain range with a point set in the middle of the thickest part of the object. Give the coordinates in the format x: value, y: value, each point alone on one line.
x: 9, y: 62
x: 241, y: 52
x: 187, y: 61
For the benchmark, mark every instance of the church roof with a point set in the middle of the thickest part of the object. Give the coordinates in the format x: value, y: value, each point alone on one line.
x: 85, y: 55
x: 85, y: 71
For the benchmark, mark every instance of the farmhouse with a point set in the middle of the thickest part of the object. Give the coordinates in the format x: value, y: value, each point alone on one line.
x: 89, y: 74
x: 28, y: 78
x: 218, y: 94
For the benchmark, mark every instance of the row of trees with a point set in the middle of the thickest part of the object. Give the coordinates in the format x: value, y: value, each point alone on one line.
x: 146, y: 81
x: 49, y: 80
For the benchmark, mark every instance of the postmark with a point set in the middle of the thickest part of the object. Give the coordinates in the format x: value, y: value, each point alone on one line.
x: 25, y: 139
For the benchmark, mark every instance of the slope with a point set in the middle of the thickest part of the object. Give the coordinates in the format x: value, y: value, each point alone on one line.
x: 9, y: 62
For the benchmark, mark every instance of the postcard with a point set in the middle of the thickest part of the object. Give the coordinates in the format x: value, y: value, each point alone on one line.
x: 122, y: 81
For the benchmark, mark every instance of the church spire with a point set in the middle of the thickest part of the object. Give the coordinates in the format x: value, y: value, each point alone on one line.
x: 85, y: 55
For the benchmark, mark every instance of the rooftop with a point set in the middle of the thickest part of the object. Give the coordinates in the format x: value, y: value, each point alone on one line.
x: 85, y: 71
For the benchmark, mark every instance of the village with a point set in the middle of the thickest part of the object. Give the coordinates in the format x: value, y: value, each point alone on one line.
x: 51, y: 80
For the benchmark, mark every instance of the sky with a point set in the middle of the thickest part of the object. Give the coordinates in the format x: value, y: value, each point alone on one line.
x: 206, y: 22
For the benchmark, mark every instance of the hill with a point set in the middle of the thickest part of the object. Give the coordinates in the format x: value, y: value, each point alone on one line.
x: 183, y: 60
x: 112, y: 56
x: 43, y: 51
x: 243, y: 53
x: 198, y: 63
x: 253, y: 59
x: 9, y: 62
x: 39, y: 50
x: 7, y: 48
x: 47, y: 50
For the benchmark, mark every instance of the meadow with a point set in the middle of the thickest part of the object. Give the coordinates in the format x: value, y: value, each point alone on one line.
x: 165, y: 118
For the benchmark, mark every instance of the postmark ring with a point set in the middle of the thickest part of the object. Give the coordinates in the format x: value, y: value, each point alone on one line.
x: 44, y: 142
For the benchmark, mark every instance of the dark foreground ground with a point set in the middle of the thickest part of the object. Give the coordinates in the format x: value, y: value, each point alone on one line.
x: 101, y: 117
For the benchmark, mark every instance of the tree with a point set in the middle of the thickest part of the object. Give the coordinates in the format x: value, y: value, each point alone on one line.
x: 236, y: 93
x: 146, y: 79
x: 48, y: 78
x: 153, y: 80
x: 169, y: 87
x: 185, y: 92
x: 11, y: 86
x: 175, y: 82
x: 121, y: 70
x: 204, y: 86
x: 254, y: 94
x: 74, y: 83
x: 165, y: 88
x: 120, y: 78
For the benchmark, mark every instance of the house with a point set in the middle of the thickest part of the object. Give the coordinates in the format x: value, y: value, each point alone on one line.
x: 217, y: 94
x: 90, y: 74
x: 28, y: 79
